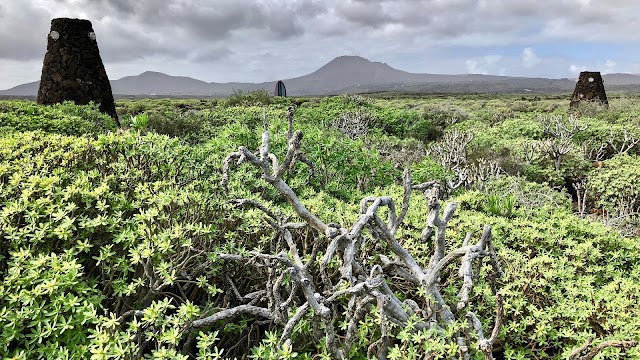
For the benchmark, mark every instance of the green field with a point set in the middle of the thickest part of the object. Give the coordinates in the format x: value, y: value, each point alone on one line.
x: 184, y: 236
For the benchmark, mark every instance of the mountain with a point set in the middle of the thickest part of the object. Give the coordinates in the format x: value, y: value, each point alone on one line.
x: 28, y: 89
x: 346, y: 74
x: 356, y: 73
x: 151, y: 82
x: 621, y: 79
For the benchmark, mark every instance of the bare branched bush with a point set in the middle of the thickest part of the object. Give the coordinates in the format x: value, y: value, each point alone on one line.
x: 560, y: 128
x: 623, y: 145
x: 452, y: 150
x: 356, y: 99
x: 560, y: 132
x: 446, y: 114
x: 402, y: 154
x: 556, y: 149
x: 626, y: 217
x: 581, y: 352
x: 353, y: 124
x: 589, y: 108
x: 353, y: 274
x: 582, y: 190
x: 614, y: 144
x: 482, y: 171
x: 594, y: 150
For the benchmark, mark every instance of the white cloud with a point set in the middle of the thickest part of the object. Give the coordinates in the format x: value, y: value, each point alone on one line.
x: 489, y: 64
x: 474, y: 68
x: 529, y: 58
x: 576, y: 69
x: 609, y: 66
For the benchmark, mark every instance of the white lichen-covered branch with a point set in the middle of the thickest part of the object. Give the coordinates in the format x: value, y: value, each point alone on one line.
x: 319, y: 289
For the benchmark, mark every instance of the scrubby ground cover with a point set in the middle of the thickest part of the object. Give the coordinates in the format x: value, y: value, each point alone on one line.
x: 133, y: 242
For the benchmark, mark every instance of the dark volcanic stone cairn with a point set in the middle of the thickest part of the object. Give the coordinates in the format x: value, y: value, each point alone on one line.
x: 589, y: 87
x: 73, y: 69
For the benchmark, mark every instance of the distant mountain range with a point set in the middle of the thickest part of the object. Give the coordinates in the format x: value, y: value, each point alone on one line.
x: 347, y: 74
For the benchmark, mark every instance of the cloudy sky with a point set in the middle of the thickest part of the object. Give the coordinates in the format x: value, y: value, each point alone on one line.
x: 262, y: 40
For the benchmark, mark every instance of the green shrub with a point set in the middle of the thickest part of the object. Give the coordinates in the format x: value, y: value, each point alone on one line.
x: 251, y: 98
x: 424, y: 130
x: 65, y: 118
x: 567, y: 279
x: 97, y: 229
x: 616, y: 185
x: 46, y: 306
x: 139, y: 122
x: 110, y: 204
x: 188, y: 126
x: 429, y: 169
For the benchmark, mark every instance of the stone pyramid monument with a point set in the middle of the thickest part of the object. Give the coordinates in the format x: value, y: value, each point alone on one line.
x: 73, y: 69
x: 590, y: 87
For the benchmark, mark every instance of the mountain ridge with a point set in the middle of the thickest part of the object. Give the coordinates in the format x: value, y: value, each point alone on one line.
x: 343, y: 73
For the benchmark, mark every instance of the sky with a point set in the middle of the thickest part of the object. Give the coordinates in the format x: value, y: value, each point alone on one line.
x: 266, y: 40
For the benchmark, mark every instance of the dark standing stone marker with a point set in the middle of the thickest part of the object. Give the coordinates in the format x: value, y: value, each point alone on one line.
x: 589, y: 87
x: 73, y: 69
x: 280, y: 89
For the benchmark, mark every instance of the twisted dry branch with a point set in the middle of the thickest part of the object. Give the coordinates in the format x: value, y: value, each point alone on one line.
x: 361, y: 280
x: 577, y: 354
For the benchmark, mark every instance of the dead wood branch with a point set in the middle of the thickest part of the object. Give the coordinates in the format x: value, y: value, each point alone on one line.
x: 622, y: 146
x: 557, y: 127
x: 577, y: 353
x: 360, y: 279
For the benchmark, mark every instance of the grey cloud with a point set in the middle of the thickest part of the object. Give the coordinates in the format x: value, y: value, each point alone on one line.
x: 454, y: 19
x: 101, y: 8
x: 23, y: 31
x: 209, y: 55
x: 274, y: 22
x: 198, y: 29
x: 365, y: 13
x: 129, y: 30
x: 113, y: 50
x: 439, y: 19
x: 121, y: 6
x: 217, y: 20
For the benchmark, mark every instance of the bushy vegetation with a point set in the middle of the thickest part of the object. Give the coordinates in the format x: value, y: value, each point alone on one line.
x: 125, y: 244
x: 65, y: 118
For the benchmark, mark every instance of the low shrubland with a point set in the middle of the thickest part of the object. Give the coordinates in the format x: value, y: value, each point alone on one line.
x: 65, y: 118
x: 152, y: 242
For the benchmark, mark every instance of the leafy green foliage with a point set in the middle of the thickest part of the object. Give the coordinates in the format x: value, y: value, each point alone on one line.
x: 65, y: 118
x: 616, y: 185
x: 566, y: 280
x: 187, y: 125
x: 251, y: 98
x: 139, y: 122
x: 111, y: 204
x: 428, y: 169
x: 46, y: 305
x: 97, y: 227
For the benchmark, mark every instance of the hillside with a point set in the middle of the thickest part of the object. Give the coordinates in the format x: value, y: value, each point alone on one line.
x: 342, y: 74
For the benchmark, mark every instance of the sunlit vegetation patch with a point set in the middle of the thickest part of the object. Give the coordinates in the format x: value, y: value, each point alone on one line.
x: 123, y: 243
